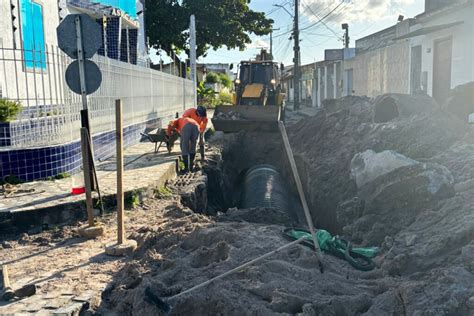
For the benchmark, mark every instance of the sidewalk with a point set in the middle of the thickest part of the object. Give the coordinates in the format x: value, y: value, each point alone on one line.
x: 50, y: 202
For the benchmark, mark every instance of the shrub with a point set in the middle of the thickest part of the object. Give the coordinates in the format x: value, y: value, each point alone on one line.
x: 163, y: 192
x: 210, y: 102
x: 225, y: 80
x: 225, y: 97
x: 9, y: 110
x: 212, y: 77
x: 204, y: 92
x: 10, y: 179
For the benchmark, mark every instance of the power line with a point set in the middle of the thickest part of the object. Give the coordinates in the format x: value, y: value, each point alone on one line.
x: 324, y: 17
x: 313, y: 24
x: 277, y: 7
x: 317, y: 17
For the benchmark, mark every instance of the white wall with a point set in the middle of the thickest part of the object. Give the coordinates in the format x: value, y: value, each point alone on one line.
x: 30, y: 88
x: 383, y: 70
x: 462, y: 66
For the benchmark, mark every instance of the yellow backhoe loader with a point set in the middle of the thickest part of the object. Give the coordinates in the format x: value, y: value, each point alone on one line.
x: 258, y: 101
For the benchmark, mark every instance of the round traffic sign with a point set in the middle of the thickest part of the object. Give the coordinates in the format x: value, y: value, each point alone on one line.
x: 93, y: 77
x: 91, y: 35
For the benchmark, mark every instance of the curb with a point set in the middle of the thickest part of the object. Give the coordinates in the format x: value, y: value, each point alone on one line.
x: 74, y: 211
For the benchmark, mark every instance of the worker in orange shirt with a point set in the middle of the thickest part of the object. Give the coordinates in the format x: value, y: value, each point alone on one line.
x: 189, y: 132
x: 199, y: 114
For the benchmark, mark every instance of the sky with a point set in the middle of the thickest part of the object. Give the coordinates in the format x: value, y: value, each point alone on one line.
x: 363, y: 16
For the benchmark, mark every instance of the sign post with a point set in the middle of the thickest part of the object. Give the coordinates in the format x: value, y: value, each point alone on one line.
x: 83, y: 77
x: 192, y: 55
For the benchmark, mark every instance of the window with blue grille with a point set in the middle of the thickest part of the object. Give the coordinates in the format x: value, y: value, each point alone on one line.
x: 32, y: 31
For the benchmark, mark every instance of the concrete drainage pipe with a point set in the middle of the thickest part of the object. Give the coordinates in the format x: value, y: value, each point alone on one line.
x: 263, y: 186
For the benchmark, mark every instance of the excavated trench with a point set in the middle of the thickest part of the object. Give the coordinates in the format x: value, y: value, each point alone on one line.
x: 250, y: 171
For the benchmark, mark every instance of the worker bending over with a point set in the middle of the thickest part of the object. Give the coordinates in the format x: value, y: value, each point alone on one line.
x: 189, y: 132
x: 199, y: 115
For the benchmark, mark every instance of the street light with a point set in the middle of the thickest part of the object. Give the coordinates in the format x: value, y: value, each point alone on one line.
x: 282, y: 7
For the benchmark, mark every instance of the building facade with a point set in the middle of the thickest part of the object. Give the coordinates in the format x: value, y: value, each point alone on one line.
x: 43, y: 140
x: 381, y: 63
x: 441, y: 48
x: 429, y: 54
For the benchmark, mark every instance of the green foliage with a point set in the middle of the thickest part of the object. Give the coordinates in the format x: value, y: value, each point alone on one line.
x: 225, y: 80
x: 132, y: 199
x: 10, y: 179
x: 9, y: 110
x: 203, y: 91
x: 62, y: 175
x: 225, y: 97
x: 212, y: 77
x: 206, y: 96
x: 219, y: 23
x: 163, y: 193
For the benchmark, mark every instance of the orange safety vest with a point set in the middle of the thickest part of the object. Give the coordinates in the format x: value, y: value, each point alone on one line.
x: 202, y: 121
x: 179, y: 124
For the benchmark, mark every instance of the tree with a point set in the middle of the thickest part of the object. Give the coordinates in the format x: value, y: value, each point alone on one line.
x: 218, y: 22
x: 212, y: 77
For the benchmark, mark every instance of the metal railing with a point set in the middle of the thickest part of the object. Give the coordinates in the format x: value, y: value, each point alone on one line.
x: 51, y: 112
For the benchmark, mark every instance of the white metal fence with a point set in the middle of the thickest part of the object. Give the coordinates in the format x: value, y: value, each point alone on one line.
x: 51, y: 112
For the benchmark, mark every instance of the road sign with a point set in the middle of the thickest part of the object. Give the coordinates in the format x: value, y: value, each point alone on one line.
x: 67, y: 36
x: 93, y: 77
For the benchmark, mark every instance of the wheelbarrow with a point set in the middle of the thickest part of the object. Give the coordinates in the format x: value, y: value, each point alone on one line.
x: 159, y: 138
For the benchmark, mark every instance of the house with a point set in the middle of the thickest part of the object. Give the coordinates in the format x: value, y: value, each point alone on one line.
x: 203, y: 69
x: 381, y: 62
x: 320, y: 80
x: 441, y: 48
x: 119, y: 22
x: 43, y: 140
x: 331, y: 80
x: 286, y: 80
x: 429, y: 54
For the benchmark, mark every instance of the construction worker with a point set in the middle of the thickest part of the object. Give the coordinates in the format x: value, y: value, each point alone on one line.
x: 189, y: 132
x: 198, y: 114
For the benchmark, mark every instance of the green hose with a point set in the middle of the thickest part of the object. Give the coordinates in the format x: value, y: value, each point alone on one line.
x: 359, y: 258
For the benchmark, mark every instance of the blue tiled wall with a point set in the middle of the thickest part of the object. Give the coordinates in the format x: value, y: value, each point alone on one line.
x: 5, y: 138
x: 40, y: 163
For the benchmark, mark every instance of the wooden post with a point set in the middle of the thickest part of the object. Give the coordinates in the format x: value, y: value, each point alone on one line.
x: 87, y: 174
x: 299, y: 186
x: 120, y: 198
x: 7, y: 289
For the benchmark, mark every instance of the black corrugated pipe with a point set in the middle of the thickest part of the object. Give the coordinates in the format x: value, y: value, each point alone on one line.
x: 263, y: 186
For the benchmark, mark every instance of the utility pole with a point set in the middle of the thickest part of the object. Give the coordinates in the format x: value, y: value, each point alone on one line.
x: 296, y: 60
x: 345, y: 27
x: 271, y: 41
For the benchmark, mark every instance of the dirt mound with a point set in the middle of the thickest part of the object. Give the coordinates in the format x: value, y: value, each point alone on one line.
x: 286, y: 283
x: 404, y: 183
x: 396, y: 171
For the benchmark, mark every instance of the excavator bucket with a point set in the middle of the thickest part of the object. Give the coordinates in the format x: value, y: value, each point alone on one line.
x: 250, y: 118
